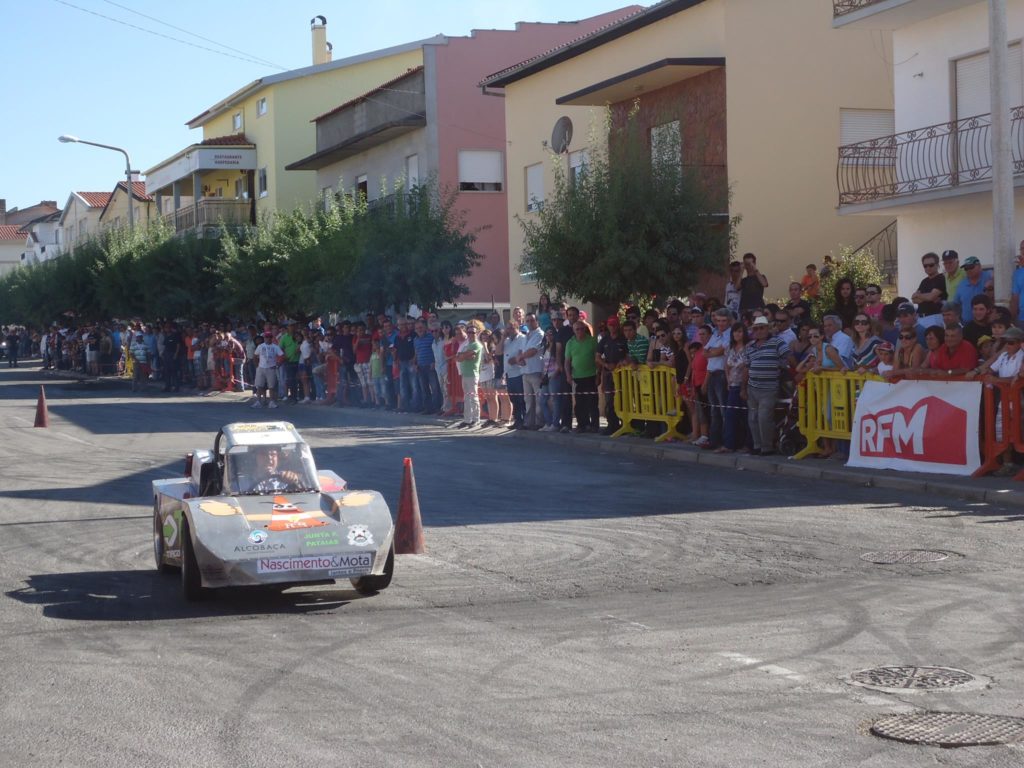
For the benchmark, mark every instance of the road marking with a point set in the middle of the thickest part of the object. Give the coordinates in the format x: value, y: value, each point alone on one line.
x: 771, y: 669
x: 627, y: 622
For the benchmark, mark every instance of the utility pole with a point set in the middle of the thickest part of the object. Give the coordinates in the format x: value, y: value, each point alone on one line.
x: 1003, y: 247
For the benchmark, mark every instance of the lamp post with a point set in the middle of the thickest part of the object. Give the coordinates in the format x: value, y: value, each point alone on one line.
x: 66, y: 139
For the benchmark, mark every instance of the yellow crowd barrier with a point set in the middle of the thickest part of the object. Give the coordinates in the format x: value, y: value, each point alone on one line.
x: 648, y: 394
x: 826, y: 403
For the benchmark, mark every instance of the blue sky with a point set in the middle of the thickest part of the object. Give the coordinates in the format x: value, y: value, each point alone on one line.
x: 70, y: 71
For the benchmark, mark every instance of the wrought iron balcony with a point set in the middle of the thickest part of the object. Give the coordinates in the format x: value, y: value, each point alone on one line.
x: 843, y: 7
x: 212, y: 212
x: 944, y: 156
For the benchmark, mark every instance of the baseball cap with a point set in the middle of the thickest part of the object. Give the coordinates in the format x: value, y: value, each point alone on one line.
x: 885, y: 346
x: 950, y: 254
x: 1011, y: 334
x: 613, y: 320
x: 696, y: 311
x: 583, y: 315
x: 905, y: 309
x: 761, y: 321
x: 971, y: 261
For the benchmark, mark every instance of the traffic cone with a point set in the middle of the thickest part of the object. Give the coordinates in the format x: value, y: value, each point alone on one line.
x: 42, y: 414
x: 409, y: 528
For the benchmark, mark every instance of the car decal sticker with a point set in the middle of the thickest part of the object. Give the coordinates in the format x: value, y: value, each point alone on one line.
x: 359, y: 536
x: 218, y: 508
x: 287, y: 517
x: 357, y: 499
x: 330, y: 485
x: 170, y: 530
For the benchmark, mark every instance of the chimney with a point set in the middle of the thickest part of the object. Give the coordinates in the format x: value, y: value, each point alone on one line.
x: 318, y: 27
x: 3, y: 211
x: 330, y: 51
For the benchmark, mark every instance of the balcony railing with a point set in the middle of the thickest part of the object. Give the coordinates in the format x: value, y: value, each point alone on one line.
x: 944, y: 156
x: 212, y: 212
x: 843, y: 7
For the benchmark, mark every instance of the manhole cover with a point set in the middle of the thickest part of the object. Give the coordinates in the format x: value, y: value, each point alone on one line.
x: 909, y: 679
x: 950, y: 729
x: 902, y: 556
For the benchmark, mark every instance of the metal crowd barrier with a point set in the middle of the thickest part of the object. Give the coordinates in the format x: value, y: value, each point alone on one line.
x: 648, y: 394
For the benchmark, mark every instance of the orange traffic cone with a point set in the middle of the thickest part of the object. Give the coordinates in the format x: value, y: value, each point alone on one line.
x: 409, y: 528
x: 42, y: 414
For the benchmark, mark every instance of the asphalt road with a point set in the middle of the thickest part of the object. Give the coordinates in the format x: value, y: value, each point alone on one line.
x: 574, y: 608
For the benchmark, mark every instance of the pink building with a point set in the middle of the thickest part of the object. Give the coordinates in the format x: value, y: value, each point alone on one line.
x: 434, y: 120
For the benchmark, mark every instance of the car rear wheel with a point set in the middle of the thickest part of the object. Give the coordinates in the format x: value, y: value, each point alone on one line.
x: 191, y: 581
x: 159, y: 546
x: 370, y: 585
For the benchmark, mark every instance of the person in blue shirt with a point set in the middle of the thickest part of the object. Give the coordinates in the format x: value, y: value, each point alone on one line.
x: 972, y: 285
x: 1017, y: 289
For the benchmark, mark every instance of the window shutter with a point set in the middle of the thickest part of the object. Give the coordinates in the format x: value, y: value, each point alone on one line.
x: 534, y: 186
x: 973, y: 95
x: 481, y: 167
x: 857, y: 125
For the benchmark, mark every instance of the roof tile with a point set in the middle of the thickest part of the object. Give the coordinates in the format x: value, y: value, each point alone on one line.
x: 12, y: 232
x: 95, y: 199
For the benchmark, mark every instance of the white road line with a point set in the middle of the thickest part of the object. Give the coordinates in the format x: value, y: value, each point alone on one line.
x: 627, y: 622
x: 771, y: 669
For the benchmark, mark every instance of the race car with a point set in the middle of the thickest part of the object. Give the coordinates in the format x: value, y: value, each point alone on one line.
x: 255, y: 510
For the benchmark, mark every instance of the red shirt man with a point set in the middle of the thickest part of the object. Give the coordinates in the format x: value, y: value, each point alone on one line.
x: 956, y: 356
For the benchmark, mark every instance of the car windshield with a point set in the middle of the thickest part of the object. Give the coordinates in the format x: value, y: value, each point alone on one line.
x: 266, y: 469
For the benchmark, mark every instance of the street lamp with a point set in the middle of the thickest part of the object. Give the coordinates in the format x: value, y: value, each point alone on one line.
x: 67, y: 139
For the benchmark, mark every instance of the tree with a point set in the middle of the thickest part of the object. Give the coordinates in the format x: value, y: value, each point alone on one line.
x: 634, y: 220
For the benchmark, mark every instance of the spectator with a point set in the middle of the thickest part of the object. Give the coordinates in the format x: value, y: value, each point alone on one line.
x: 564, y: 335
x: 531, y: 358
x: 906, y: 319
x: 695, y: 321
x: 781, y: 327
x: 468, y: 357
x: 873, y: 306
x: 821, y: 356
x: 362, y: 348
x: 514, y: 344
x: 736, y: 429
x: 972, y: 285
x: 544, y: 312
x: 956, y: 356
x: 646, y: 328
x: 694, y: 388
x: 380, y: 389
x: 1017, y: 287
x: 661, y: 351
x: 845, y: 307
x: 717, y: 390
x: 931, y: 293
x: 733, y: 288
x: 810, y: 283
x: 953, y: 273
x: 519, y: 319
x: 979, y: 325
x: 752, y: 286
x: 581, y: 369
x: 612, y: 352
x: 405, y: 351
x: 835, y: 336
x: 910, y: 354
x: 269, y: 358
x: 765, y: 358
x: 551, y: 387
x: 429, y: 386
x: 798, y: 308
x: 826, y: 266
x: 865, y: 343
x: 1006, y: 364
x: 860, y: 299
x: 799, y: 347
x: 885, y: 358
x: 437, y: 329
x: 934, y: 340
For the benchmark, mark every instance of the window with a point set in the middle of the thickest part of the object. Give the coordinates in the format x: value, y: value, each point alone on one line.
x: 362, y: 188
x: 534, y: 187
x: 326, y: 198
x: 240, y: 191
x: 481, y: 170
x: 858, y: 125
x: 666, y: 143
x: 412, y: 171
x: 973, y: 95
x: 261, y: 107
x: 262, y: 181
x: 82, y: 229
x: 236, y: 122
x: 577, y: 164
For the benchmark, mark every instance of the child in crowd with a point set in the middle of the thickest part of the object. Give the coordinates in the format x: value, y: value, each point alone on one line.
x: 380, y: 391
x: 693, y: 393
x: 810, y: 283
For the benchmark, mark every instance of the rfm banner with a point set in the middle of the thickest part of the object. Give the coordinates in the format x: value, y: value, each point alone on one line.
x: 918, y: 426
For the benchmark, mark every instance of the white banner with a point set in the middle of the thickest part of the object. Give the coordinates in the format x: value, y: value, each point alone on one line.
x: 918, y: 426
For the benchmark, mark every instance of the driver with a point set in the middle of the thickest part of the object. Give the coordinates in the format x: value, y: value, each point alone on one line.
x: 271, y: 475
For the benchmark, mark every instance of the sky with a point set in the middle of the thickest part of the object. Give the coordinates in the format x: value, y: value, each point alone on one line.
x: 90, y: 69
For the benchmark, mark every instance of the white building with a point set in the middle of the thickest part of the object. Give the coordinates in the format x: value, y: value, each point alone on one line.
x: 43, y: 239
x: 931, y: 168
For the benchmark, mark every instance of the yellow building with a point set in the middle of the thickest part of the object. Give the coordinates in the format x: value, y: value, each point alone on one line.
x: 755, y: 89
x: 80, y: 218
x: 237, y: 172
x: 115, y: 212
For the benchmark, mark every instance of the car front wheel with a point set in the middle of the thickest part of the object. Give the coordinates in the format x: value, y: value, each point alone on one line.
x: 191, y: 581
x: 371, y: 585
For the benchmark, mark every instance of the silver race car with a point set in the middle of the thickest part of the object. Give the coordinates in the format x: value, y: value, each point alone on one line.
x: 256, y: 510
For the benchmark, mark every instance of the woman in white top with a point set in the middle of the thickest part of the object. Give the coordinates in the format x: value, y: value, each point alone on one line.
x: 488, y: 393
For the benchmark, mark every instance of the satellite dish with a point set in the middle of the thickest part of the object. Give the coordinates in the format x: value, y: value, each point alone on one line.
x: 561, y: 135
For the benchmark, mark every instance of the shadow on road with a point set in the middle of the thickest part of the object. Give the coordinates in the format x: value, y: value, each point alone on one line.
x: 150, y: 596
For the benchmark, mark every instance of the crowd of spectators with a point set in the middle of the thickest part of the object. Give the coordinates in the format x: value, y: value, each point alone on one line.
x: 734, y: 359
